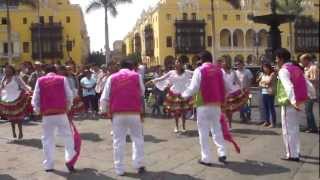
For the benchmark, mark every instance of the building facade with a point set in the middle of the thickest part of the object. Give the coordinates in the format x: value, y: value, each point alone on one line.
x: 184, y: 27
x: 55, y: 31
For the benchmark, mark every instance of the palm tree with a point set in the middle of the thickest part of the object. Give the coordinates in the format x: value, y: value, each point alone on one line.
x: 109, y: 6
x: 290, y: 7
x: 30, y: 3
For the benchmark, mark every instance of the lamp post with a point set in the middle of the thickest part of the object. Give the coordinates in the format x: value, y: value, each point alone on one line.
x: 213, y: 30
x: 39, y: 34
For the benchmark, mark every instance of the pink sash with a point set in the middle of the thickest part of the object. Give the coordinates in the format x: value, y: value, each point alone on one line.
x: 77, y: 143
x: 226, y: 133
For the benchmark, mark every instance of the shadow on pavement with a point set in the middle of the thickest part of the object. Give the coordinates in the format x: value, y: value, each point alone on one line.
x: 257, y: 168
x: 310, y: 162
x: 91, y: 137
x: 6, y: 177
x: 310, y: 157
x: 191, y: 133
x: 29, y: 123
x: 148, y: 138
x: 254, y: 132
x: 36, y: 143
x: 149, y: 175
x: 83, y: 174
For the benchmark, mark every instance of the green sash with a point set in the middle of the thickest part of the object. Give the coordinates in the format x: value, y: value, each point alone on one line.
x: 199, y: 99
x: 281, y: 95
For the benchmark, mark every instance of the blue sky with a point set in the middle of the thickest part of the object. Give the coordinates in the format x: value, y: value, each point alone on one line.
x: 118, y: 26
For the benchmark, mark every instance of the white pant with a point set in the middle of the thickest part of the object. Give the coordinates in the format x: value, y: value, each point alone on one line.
x: 121, y: 124
x: 49, y: 125
x: 290, y: 129
x: 209, y: 120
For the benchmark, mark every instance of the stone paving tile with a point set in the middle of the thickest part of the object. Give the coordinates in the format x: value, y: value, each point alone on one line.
x: 168, y: 156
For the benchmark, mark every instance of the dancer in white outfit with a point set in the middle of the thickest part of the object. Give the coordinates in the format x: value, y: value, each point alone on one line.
x: 292, y: 91
x: 208, y: 82
x: 52, y: 98
x: 126, y: 115
x: 178, y: 81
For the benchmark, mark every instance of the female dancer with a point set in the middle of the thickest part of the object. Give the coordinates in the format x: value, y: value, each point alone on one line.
x: 236, y: 97
x: 14, y: 103
x: 178, y: 80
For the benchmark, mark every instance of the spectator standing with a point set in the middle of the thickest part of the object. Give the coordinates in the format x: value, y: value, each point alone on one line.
x: 37, y: 73
x: 89, y: 94
x: 245, y: 77
x: 311, y: 73
x: 268, y: 84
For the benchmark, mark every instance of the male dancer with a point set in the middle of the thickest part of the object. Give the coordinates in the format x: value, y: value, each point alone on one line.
x: 292, y: 92
x: 122, y: 97
x: 52, y: 98
x: 208, y: 82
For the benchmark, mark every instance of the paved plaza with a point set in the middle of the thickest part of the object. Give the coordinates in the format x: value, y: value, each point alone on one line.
x: 167, y: 156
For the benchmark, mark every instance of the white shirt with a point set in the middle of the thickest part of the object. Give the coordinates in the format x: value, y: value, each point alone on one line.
x: 36, y: 96
x: 245, y: 77
x: 195, y: 84
x: 232, y: 82
x: 105, y: 96
x: 178, y: 82
x: 89, y: 84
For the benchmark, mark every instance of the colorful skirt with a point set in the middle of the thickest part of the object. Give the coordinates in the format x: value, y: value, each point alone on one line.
x: 235, y: 101
x: 15, y: 111
x: 175, y: 105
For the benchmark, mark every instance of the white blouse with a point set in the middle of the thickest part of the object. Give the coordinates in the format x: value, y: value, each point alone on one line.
x: 11, y: 91
x: 231, y: 81
x: 178, y: 83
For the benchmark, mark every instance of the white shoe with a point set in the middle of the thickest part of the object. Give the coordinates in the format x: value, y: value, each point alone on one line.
x: 184, y: 130
x: 111, y: 133
x: 176, y: 130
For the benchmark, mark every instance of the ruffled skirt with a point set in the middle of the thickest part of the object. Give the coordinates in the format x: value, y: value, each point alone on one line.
x: 16, y: 110
x: 175, y: 105
x: 235, y: 101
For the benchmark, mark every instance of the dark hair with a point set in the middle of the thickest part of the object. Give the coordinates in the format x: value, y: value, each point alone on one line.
x: 49, y: 68
x: 181, y: 60
x: 267, y: 65
x: 12, y: 68
x: 205, y: 56
x: 126, y: 63
x: 283, y: 54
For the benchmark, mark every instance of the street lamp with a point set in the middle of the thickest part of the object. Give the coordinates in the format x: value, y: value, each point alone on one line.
x: 213, y: 29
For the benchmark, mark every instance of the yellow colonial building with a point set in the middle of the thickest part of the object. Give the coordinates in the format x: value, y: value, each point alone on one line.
x: 184, y: 27
x: 55, y: 31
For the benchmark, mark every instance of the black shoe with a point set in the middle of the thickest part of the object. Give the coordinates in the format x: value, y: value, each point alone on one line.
x: 49, y: 170
x: 291, y: 159
x: 223, y: 159
x: 70, y: 168
x: 204, y: 163
x: 142, y: 170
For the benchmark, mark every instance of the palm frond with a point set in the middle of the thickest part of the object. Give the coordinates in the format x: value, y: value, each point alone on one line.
x: 113, y: 10
x: 234, y: 3
x: 94, y: 5
x: 291, y: 7
x: 30, y: 3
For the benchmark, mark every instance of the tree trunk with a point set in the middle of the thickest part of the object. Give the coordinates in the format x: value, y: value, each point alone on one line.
x: 107, y: 48
x: 9, y: 33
